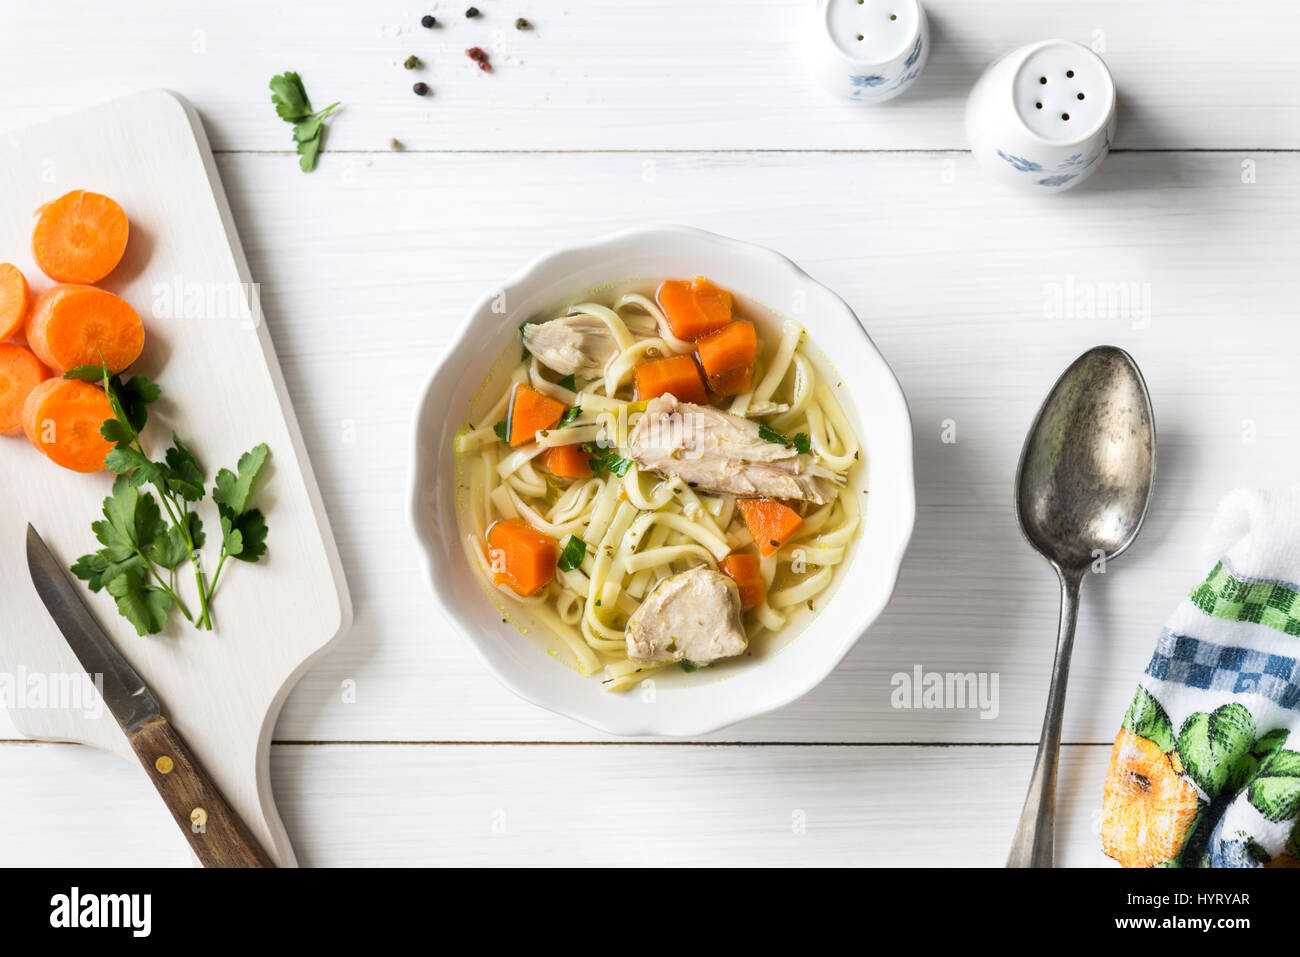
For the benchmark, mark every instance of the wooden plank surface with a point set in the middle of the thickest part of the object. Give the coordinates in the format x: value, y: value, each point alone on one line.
x: 641, y: 74
x: 602, y: 805
x: 368, y: 265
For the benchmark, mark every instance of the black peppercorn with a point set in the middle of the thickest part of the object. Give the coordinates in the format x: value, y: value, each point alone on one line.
x: 471, y: 13
x: 421, y: 89
x: 428, y: 22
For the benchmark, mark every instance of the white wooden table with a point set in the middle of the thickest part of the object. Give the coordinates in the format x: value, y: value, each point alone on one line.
x: 608, y: 115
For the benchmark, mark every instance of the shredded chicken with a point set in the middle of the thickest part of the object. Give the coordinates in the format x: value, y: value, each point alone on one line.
x: 719, y: 452
x: 693, y: 615
x: 572, y: 345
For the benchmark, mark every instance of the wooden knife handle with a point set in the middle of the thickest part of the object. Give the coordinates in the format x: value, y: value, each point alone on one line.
x: 214, y: 830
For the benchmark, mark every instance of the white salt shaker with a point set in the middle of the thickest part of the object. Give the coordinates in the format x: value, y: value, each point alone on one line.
x: 1043, y: 116
x: 867, y: 50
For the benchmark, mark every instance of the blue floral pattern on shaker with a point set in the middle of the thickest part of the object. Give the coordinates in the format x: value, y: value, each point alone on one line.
x: 914, y: 55
x: 1020, y: 163
x: 875, y: 79
x: 1074, y: 159
x: 1060, y: 179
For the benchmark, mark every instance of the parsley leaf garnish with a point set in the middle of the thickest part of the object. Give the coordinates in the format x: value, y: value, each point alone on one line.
x: 570, y: 416
x: 688, y: 666
x: 802, y: 443
x: 500, y: 430
x: 607, y: 460
x: 292, y: 105
x: 569, y: 382
x: 575, y: 550
x: 141, y: 549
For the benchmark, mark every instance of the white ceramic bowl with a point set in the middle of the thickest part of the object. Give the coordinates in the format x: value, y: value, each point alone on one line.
x: 768, y: 288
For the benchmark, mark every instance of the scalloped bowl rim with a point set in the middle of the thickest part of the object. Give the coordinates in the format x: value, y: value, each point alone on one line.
x: 707, y: 711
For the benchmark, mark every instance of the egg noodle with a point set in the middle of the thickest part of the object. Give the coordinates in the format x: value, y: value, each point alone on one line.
x: 643, y: 527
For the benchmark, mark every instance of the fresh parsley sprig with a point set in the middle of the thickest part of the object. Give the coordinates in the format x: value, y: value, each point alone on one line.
x: 141, y: 552
x: 291, y: 103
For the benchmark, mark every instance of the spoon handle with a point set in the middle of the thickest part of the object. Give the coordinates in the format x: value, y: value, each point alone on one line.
x: 1035, y: 841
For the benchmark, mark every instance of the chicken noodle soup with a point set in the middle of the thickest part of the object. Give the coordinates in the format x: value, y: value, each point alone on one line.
x: 660, y: 482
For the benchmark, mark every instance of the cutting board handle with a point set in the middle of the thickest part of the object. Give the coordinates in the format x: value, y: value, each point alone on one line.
x: 215, y: 832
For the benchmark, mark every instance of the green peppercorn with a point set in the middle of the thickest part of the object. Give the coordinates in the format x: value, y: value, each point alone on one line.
x: 412, y: 62
x: 421, y: 89
x: 428, y: 22
x: 522, y: 24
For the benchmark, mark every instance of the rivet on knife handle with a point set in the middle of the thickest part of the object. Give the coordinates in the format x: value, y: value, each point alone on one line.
x: 215, y: 832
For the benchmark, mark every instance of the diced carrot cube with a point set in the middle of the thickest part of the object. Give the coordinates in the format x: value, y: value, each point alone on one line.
x: 694, y: 309
x: 676, y: 374
x: 522, y: 557
x: 743, y: 569
x: 567, y: 461
x: 530, y: 413
x: 728, y: 357
x: 770, y: 523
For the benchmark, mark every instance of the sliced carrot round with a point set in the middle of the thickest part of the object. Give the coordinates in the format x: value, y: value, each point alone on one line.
x: 20, y: 373
x: 72, y: 326
x: 79, y: 237
x: 15, y: 297
x: 62, y: 418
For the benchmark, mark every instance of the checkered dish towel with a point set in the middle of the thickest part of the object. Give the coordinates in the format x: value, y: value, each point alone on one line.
x: 1201, y: 774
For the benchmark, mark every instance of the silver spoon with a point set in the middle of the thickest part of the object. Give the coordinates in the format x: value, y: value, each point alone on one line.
x: 1082, y: 491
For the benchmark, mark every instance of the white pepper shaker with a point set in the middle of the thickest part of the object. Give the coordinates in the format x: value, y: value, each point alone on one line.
x: 1043, y: 116
x: 867, y: 50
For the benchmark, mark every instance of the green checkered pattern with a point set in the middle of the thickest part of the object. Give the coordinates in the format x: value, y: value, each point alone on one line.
x: 1266, y: 603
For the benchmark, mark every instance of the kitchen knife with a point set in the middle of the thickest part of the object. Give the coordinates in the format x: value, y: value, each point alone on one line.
x: 214, y: 830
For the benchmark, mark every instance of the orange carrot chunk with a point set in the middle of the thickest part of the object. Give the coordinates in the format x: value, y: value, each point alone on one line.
x: 742, y: 568
x: 14, y: 300
x: 521, y: 556
x: 676, y: 374
x: 20, y: 373
x: 530, y: 413
x: 769, y: 522
x: 694, y: 309
x: 79, y: 237
x: 72, y: 326
x: 567, y: 461
x: 728, y: 357
x: 62, y: 418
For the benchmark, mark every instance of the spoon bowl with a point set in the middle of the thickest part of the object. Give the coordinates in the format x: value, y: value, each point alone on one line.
x: 1083, y: 488
x: 1085, y: 475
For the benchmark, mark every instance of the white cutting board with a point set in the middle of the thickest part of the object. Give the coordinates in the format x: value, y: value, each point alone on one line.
x: 222, y: 393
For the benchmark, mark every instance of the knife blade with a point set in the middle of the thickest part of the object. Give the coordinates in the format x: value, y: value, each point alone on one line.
x: 124, y: 691
x: 217, y: 834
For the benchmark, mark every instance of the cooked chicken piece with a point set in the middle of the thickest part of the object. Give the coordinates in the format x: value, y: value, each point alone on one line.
x: 694, y: 614
x: 713, y: 450
x: 571, y: 345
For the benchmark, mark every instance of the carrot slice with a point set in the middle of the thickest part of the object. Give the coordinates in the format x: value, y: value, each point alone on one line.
x: 15, y: 297
x: 769, y: 522
x: 521, y: 556
x: 567, y: 461
x: 20, y: 373
x: 743, y: 569
x: 728, y: 357
x: 694, y: 309
x: 530, y: 413
x: 79, y: 237
x: 72, y: 326
x: 676, y: 374
x: 62, y: 418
